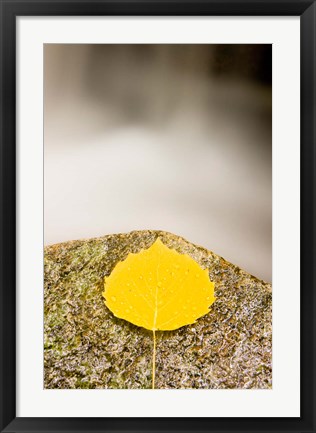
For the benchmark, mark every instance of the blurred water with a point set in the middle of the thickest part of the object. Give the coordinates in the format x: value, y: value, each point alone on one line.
x: 153, y: 138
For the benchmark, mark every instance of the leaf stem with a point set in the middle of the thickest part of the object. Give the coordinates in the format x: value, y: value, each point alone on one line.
x: 154, y: 360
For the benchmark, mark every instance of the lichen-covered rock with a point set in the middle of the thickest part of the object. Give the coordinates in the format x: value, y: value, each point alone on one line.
x: 85, y: 346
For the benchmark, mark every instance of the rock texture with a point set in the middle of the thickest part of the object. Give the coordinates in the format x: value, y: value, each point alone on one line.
x: 85, y: 346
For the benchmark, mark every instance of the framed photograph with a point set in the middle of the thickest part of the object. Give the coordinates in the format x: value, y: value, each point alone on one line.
x: 157, y: 230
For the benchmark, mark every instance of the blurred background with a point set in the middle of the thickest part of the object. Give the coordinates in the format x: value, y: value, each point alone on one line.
x: 167, y: 137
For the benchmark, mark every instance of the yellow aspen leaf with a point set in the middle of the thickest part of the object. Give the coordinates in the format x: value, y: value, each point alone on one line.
x: 159, y: 289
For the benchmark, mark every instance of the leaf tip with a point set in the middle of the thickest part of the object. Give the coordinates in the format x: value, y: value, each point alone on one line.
x: 158, y: 243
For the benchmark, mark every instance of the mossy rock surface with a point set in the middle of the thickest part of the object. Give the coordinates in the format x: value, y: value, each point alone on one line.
x: 85, y: 346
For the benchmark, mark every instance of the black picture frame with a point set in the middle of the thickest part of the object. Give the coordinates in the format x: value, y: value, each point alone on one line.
x: 10, y: 9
